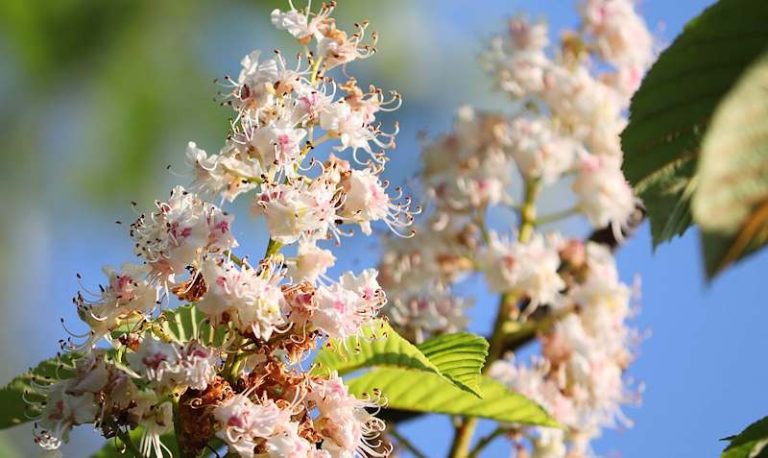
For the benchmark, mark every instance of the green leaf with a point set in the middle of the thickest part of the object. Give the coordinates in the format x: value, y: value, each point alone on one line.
x: 731, y: 200
x: 418, y: 391
x: 459, y: 357
x: 15, y: 410
x: 187, y: 322
x: 672, y: 108
x: 750, y: 443
x: 380, y: 345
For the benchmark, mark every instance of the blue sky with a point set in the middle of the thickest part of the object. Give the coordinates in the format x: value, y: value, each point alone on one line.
x: 701, y: 363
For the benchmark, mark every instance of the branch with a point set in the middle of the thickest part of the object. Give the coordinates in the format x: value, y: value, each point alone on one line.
x: 484, y: 441
x: 405, y: 443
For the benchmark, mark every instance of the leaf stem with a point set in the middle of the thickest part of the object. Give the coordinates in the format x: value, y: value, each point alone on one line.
x: 528, y: 210
x: 463, y: 436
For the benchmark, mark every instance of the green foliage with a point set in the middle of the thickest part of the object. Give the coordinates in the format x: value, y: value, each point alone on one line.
x: 380, y: 345
x: 670, y: 112
x: 15, y: 409
x: 459, y: 357
x: 750, y: 443
x: 441, y: 375
x: 185, y: 323
x: 731, y: 199
x: 417, y: 391
x: 672, y: 122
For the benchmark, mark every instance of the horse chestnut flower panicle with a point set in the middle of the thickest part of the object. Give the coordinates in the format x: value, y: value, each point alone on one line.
x: 224, y: 365
x: 570, y: 105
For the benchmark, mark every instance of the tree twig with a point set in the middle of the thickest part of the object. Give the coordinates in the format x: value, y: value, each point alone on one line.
x: 485, y: 440
x: 405, y: 443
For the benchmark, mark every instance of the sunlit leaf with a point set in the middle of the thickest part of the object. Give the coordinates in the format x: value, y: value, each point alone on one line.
x: 459, y: 356
x: 187, y: 322
x: 380, y: 345
x: 419, y: 391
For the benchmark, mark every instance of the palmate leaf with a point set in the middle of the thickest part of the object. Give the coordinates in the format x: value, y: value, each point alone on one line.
x: 750, y: 443
x: 731, y: 200
x: 418, y: 391
x: 672, y: 109
x: 187, y: 322
x: 380, y: 345
x: 15, y: 410
x: 459, y: 357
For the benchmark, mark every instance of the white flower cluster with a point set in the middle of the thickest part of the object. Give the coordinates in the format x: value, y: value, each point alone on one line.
x: 569, y: 105
x: 235, y: 375
x: 583, y: 107
x: 579, y: 377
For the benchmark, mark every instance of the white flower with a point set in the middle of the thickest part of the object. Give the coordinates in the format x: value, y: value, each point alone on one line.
x: 292, y: 22
x: 433, y: 309
x: 528, y: 269
x: 253, y: 84
x: 180, y: 231
x: 343, y: 308
x: 127, y: 292
x: 156, y: 361
x: 367, y: 286
x: 344, y: 421
x: 72, y: 401
x: 550, y: 443
x: 229, y: 173
x: 156, y: 421
x: 288, y: 444
x: 336, y: 46
x: 517, y: 60
x: 621, y: 34
x: 278, y: 145
x: 237, y: 417
x: 604, y: 195
x: 366, y: 200
x: 353, y: 128
x: 540, y: 152
x: 242, y: 423
x: 252, y: 300
x: 295, y: 211
x: 62, y: 412
x: 311, y: 262
x: 197, y: 365
x: 340, y: 312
